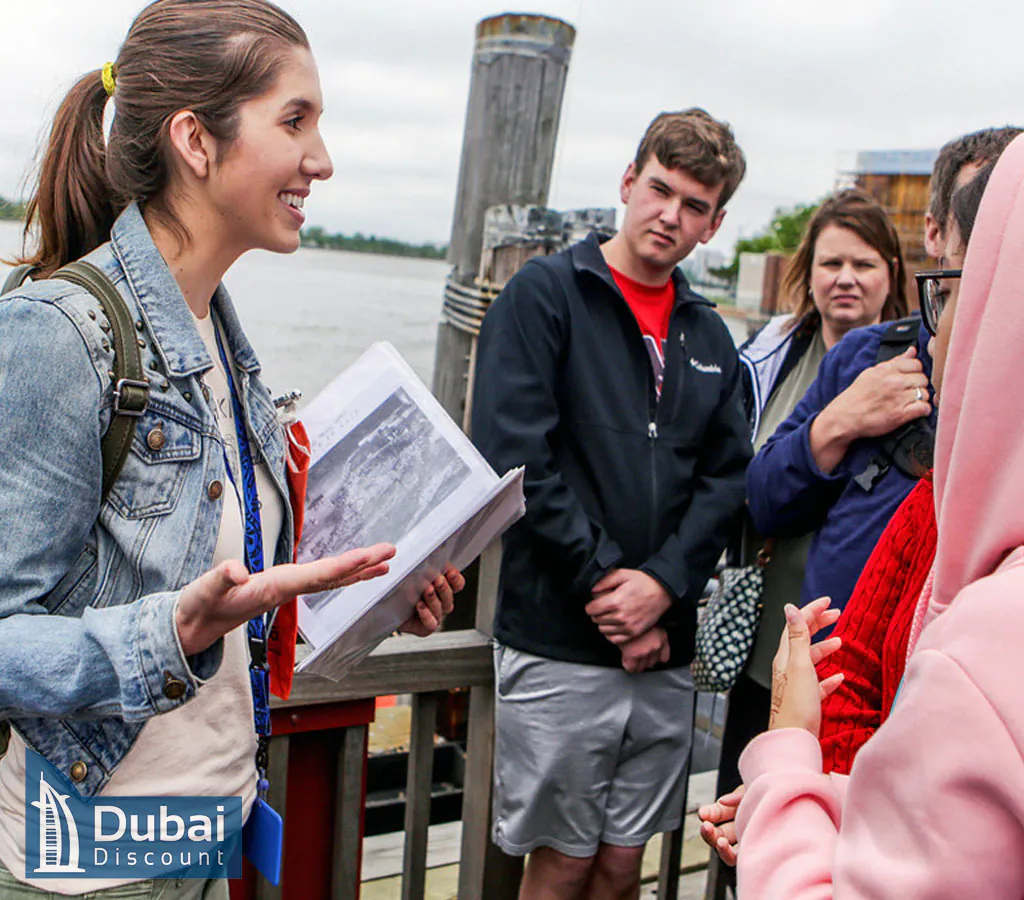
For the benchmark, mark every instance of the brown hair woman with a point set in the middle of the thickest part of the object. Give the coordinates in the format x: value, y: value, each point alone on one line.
x: 123, y: 615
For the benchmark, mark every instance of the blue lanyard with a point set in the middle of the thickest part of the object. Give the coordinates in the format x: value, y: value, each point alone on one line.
x: 259, y: 668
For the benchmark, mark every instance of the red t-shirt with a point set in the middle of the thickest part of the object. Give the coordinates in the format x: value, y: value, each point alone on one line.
x: 652, y: 307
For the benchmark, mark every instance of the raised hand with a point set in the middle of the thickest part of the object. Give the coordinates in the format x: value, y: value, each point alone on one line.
x: 228, y: 596
x: 796, y: 691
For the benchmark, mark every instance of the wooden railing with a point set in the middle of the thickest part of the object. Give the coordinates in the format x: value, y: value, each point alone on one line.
x: 424, y: 668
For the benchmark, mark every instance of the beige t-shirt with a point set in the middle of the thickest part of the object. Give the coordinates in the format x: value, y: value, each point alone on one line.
x: 206, y: 747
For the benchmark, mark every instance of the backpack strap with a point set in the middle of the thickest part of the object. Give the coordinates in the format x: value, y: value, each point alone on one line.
x: 898, y: 336
x: 910, y: 447
x: 131, y: 389
x: 17, y: 277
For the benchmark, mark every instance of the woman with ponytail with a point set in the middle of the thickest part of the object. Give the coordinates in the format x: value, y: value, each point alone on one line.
x: 124, y: 655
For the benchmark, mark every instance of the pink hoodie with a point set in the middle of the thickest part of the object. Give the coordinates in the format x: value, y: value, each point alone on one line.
x: 934, y: 806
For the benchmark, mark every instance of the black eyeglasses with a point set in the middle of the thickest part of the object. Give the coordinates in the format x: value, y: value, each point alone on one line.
x: 933, y: 290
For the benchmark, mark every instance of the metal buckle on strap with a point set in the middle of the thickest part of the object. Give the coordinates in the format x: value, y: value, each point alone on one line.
x: 126, y: 404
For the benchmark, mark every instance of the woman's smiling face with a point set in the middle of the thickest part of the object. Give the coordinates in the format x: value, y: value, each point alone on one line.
x: 258, y: 186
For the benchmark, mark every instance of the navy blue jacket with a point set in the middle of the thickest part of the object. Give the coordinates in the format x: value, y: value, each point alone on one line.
x: 788, y: 495
x: 615, y: 476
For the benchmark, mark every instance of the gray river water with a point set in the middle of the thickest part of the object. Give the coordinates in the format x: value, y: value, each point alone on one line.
x: 312, y: 313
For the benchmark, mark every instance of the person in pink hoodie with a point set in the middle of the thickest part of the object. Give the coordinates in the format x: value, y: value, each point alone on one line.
x: 934, y: 806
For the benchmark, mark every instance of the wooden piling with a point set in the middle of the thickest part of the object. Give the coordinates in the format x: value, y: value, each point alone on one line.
x: 520, y: 64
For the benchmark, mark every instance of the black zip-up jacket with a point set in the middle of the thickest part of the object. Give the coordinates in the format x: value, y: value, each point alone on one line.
x: 615, y: 476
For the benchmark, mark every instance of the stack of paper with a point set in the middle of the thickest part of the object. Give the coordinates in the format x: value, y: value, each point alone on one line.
x: 390, y: 465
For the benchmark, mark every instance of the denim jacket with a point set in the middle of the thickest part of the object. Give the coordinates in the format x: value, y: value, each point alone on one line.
x: 88, y: 645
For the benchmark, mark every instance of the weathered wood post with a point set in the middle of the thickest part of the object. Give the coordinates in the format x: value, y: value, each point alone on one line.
x: 520, y: 65
x: 515, y: 101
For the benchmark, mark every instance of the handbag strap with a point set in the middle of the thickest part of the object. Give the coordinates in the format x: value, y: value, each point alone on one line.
x: 764, y: 555
x: 131, y: 389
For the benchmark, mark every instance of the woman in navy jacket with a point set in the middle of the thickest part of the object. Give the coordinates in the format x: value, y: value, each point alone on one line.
x: 825, y: 469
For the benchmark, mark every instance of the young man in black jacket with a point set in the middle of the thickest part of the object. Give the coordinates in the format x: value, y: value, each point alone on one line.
x: 619, y: 389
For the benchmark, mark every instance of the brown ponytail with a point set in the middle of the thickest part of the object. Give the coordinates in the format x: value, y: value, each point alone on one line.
x: 73, y: 209
x: 209, y: 56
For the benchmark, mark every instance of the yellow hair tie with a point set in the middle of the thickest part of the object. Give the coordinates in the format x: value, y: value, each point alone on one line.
x: 108, y: 79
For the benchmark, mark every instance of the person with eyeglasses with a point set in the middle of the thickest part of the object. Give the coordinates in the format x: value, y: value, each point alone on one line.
x: 935, y: 805
x: 934, y: 288
x: 875, y: 626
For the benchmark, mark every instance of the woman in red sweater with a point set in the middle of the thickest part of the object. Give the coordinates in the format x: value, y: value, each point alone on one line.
x: 874, y: 629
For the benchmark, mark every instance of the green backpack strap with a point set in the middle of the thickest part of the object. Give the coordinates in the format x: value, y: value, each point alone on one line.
x: 131, y: 389
x: 17, y: 277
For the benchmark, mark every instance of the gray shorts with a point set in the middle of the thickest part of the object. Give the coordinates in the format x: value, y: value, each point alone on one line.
x: 586, y: 755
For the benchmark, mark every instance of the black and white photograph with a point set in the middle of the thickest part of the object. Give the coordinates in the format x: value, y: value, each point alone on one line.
x: 386, y: 475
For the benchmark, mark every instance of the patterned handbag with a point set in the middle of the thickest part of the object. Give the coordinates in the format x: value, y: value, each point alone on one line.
x: 728, y: 626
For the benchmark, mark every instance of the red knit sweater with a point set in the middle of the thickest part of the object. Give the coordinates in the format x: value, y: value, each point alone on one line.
x: 875, y: 627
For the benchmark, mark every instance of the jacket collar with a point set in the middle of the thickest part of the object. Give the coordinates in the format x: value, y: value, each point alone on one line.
x: 587, y: 257
x: 163, y: 307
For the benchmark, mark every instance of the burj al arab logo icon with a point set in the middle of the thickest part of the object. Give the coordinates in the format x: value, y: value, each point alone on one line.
x: 58, y: 833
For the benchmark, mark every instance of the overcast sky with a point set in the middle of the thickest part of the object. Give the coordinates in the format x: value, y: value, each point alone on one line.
x: 803, y: 82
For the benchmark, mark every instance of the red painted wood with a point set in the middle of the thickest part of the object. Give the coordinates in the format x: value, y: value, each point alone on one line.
x: 312, y: 785
x: 322, y: 716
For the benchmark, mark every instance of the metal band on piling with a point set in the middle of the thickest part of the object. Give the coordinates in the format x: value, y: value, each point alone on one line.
x: 465, y: 305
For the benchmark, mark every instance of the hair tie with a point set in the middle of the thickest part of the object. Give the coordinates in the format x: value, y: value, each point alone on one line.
x: 108, y: 79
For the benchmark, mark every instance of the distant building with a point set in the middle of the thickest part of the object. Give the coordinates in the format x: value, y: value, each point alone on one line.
x: 898, y: 179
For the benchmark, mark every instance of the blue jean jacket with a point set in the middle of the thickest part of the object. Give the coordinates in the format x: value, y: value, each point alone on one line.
x: 88, y: 645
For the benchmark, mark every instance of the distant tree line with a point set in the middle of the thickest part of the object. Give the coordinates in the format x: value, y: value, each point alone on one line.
x: 12, y: 209
x: 311, y: 237
x: 783, y: 234
x: 359, y: 243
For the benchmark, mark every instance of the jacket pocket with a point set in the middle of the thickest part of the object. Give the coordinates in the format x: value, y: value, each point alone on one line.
x: 154, y: 472
x: 76, y: 589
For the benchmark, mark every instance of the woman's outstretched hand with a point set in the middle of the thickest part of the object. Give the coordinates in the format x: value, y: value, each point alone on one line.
x: 228, y: 596
x: 437, y: 601
x: 796, y: 691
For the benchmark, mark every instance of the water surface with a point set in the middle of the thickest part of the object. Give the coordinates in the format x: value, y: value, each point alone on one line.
x: 312, y: 313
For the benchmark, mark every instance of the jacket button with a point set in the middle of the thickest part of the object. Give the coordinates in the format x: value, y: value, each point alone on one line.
x: 78, y: 771
x: 174, y: 688
x: 215, y: 490
x: 156, y: 439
